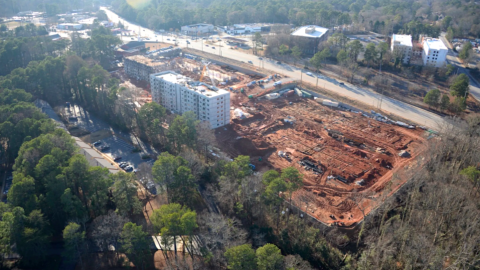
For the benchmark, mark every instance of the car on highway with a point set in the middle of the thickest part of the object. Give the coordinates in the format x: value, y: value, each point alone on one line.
x: 132, y: 38
x: 206, y: 45
x: 279, y: 63
x: 342, y: 83
x: 250, y: 62
x: 309, y: 74
x: 260, y: 58
x: 173, y: 39
x: 168, y: 39
x: 213, y: 47
x: 104, y: 148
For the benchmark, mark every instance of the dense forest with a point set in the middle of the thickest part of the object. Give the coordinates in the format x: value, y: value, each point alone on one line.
x: 386, y: 16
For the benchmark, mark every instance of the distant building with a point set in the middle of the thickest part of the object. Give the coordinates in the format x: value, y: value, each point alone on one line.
x: 402, y: 44
x: 434, y: 52
x: 69, y: 26
x: 247, y: 28
x: 308, y: 37
x: 130, y: 48
x: 197, y: 29
x: 181, y: 94
x: 140, y: 67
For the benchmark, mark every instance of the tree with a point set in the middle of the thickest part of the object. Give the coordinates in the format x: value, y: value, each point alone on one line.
x: 257, y: 42
x: 450, y: 34
x: 269, y: 176
x: 354, y: 48
x: 124, y: 193
x: 184, y: 189
x: 241, y: 257
x: 134, y: 243
x: 74, y: 241
x: 239, y: 168
x: 150, y: 117
x: 182, y: 131
x: 283, y: 49
x: 293, y: 178
x: 106, y: 230
x: 164, y: 170
x: 432, y: 97
x: 444, y: 102
x: 460, y: 85
x: 472, y: 173
x: 382, y: 49
x: 466, y: 52
x: 446, y: 22
x: 297, y: 53
x: 320, y: 57
x: 371, y: 53
x: 174, y: 220
x: 269, y: 257
x: 342, y: 56
x: 98, y: 189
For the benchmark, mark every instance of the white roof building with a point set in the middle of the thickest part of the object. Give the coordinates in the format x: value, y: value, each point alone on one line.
x: 310, y: 31
x: 181, y: 94
x: 402, y: 43
x: 434, y: 52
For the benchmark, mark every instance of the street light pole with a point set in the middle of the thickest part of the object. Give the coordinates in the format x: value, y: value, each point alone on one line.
x: 316, y: 86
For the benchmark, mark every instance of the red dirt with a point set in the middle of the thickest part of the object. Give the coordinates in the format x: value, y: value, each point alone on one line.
x: 365, y: 149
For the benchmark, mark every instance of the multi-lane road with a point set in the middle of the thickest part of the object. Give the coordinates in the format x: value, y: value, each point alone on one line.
x: 388, y: 105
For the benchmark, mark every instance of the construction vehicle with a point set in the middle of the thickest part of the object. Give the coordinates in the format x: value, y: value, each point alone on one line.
x: 205, y: 68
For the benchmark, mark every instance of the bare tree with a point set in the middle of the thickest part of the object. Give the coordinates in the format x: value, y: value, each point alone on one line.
x: 105, y: 232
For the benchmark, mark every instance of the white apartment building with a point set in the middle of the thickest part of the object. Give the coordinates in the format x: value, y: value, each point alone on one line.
x: 403, y: 44
x: 434, y: 52
x: 180, y: 94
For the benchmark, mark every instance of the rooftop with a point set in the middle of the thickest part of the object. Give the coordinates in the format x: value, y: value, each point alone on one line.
x: 435, y: 44
x: 199, y: 87
x: 311, y: 31
x: 145, y: 60
x: 405, y: 40
x: 199, y: 24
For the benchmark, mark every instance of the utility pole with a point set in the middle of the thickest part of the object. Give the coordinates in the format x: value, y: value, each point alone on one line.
x: 316, y: 86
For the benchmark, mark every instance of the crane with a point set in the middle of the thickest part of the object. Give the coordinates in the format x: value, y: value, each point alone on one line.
x: 205, y: 68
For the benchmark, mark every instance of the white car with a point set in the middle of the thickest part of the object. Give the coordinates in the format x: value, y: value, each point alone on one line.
x: 309, y: 74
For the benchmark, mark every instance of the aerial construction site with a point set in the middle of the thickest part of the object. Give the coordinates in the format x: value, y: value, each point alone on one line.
x: 347, y: 157
x: 350, y: 160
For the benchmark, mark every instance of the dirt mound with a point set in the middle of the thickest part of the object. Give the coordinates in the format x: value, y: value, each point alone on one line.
x: 247, y: 147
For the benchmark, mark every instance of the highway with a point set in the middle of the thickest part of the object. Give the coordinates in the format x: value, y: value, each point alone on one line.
x: 387, y: 105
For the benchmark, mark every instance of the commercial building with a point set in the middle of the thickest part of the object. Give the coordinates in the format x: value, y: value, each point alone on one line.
x: 247, y: 28
x: 197, y: 29
x: 308, y: 37
x: 140, y: 67
x: 93, y: 157
x: 402, y: 44
x: 70, y: 26
x: 180, y: 94
x: 434, y: 52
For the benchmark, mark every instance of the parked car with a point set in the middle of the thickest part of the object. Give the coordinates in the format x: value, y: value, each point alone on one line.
x: 128, y: 169
x: 117, y: 158
x: 104, y: 148
x: 123, y: 165
x: 97, y: 143
x: 279, y: 63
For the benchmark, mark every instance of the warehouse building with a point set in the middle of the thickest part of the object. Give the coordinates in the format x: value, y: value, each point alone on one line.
x: 180, y: 94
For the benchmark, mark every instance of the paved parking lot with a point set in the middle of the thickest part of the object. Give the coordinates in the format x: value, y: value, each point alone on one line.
x: 118, y: 146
